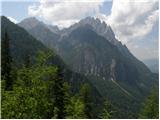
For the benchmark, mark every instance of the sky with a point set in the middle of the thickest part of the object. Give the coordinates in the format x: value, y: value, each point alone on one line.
x: 134, y: 22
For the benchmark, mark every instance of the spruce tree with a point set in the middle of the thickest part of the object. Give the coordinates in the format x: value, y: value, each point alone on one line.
x: 151, y: 106
x: 6, y: 62
x: 59, y: 94
x: 86, y: 97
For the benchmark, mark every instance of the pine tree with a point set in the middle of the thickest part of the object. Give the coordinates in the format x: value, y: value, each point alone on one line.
x: 6, y: 62
x: 151, y: 106
x: 85, y: 95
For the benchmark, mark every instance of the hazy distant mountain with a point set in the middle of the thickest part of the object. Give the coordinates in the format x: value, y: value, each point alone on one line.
x: 32, y: 22
x: 153, y: 65
x: 43, y: 32
x: 91, y: 49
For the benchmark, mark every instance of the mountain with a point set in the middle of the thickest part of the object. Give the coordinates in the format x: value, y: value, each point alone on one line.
x: 91, y: 49
x: 93, y: 55
x: 41, y: 30
x: 22, y: 44
x: 153, y: 64
x: 102, y: 29
x: 99, y: 27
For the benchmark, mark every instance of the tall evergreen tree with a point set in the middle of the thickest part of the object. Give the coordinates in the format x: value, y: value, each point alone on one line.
x: 59, y: 94
x: 151, y: 106
x: 6, y: 62
x: 86, y: 97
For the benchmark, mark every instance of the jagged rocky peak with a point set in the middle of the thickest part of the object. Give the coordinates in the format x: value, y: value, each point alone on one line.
x: 90, y: 20
x: 95, y: 22
x: 101, y: 28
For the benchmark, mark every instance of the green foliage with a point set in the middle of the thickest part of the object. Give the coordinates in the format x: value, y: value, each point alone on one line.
x: 20, y: 103
x: 107, y: 110
x: 75, y: 109
x: 42, y: 57
x: 59, y: 95
x: 151, y: 106
x: 86, y: 98
x: 30, y: 97
x: 40, y: 92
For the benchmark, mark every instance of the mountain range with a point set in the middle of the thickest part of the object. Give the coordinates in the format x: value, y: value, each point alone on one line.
x: 88, y: 52
x: 89, y: 47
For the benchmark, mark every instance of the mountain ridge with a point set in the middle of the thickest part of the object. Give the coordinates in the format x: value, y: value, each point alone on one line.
x: 62, y: 42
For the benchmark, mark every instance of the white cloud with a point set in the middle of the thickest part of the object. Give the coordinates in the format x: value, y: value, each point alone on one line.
x: 65, y: 12
x: 12, y: 20
x: 132, y: 19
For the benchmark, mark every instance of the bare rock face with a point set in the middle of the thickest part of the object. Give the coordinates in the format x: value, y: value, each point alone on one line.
x: 100, y: 28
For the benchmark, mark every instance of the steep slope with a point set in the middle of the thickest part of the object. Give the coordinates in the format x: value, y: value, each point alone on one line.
x: 22, y: 43
x: 120, y: 78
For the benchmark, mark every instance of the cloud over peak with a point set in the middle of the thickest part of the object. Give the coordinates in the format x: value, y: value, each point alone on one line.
x: 65, y: 12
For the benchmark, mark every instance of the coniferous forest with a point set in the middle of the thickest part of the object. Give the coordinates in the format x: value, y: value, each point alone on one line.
x: 39, y: 90
x: 36, y: 83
